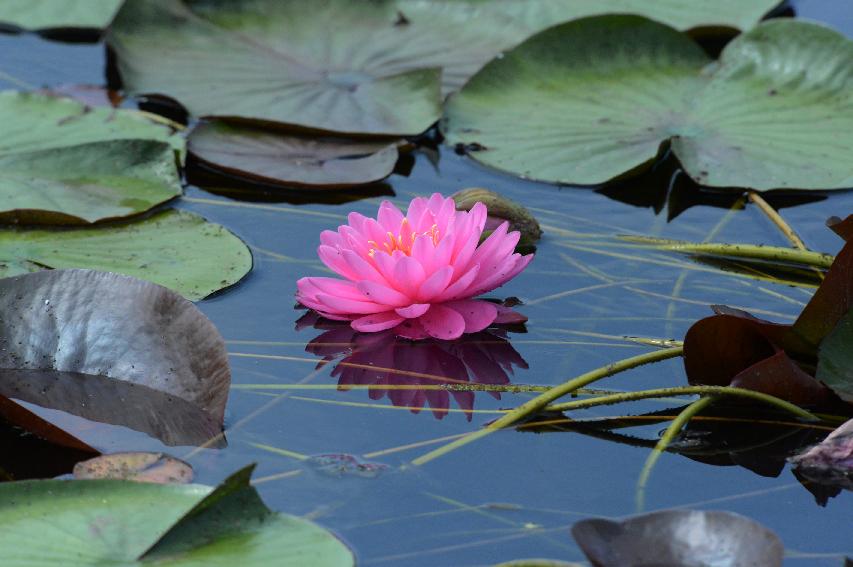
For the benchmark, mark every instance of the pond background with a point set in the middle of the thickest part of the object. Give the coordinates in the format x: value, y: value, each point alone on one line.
x: 512, y: 494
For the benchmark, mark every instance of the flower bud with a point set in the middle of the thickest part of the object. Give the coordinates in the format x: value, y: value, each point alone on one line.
x: 501, y: 209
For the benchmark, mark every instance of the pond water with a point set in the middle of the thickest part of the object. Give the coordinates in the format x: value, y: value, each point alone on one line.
x: 513, y: 494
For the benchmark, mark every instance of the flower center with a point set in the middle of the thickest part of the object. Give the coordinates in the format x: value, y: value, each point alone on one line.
x: 403, y: 241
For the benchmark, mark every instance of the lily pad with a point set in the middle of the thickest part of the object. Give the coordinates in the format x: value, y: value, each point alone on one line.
x: 176, y: 249
x: 137, y: 466
x: 682, y: 538
x: 593, y: 99
x: 293, y: 160
x: 64, y: 162
x: 835, y: 361
x: 334, y: 67
x: 90, y: 523
x: 53, y: 15
x: 374, y: 67
x: 69, y: 336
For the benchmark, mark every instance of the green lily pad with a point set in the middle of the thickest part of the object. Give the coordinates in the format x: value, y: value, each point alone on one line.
x: 594, y: 99
x: 294, y: 160
x: 176, y: 249
x: 333, y: 67
x: 835, y: 359
x: 98, y: 522
x: 348, y: 65
x: 52, y: 15
x: 64, y: 162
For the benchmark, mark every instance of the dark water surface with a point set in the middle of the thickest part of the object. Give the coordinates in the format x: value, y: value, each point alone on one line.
x: 512, y: 494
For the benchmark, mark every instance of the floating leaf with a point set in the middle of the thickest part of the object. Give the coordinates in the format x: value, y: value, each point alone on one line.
x: 63, y: 162
x: 175, y: 249
x: 136, y: 466
x: 831, y: 461
x: 537, y: 563
x: 271, y: 60
x: 835, y: 361
x: 85, y: 524
x: 75, y: 339
x: 294, y: 160
x: 734, y: 348
x: 347, y: 65
x: 593, y: 99
x: 687, y: 538
x: 53, y: 15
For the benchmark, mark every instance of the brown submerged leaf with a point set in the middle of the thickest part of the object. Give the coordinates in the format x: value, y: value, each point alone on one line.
x: 136, y: 466
x: 115, y: 349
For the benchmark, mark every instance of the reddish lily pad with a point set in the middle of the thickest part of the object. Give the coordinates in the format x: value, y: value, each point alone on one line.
x: 136, y: 466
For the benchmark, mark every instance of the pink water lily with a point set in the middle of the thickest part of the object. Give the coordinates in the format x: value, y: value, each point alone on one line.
x: 415, y: 273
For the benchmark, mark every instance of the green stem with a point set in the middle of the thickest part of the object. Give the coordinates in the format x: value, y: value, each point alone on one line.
x: 674, y: 428
x: 685, y: 391
x: 751, y: 251
x: 539, y: 402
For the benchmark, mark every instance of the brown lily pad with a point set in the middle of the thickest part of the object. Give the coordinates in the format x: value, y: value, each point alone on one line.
x: 137, y: 466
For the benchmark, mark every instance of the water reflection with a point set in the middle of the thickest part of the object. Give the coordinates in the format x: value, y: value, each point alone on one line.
x: 416, y: 374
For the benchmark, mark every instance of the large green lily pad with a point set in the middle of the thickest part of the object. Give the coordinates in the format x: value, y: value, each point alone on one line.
x: 176, y: 249
x: 593, y: 99
x: 41, y: 15
x: 124, y: 523
x: 293, y: 160
x: 349, y: 65
x: 63, y: 162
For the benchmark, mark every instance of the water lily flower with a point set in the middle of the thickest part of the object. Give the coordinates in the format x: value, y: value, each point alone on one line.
x: 384, y: 361
x: 416, y: 273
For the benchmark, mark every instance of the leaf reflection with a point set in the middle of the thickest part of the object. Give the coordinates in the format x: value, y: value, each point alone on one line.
x: 383, y: 359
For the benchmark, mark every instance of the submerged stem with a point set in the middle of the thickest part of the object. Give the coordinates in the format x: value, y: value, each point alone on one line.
x: 542, y: 400
x: 685, y: 391
x: 750, y: 251
x: 674, y: 428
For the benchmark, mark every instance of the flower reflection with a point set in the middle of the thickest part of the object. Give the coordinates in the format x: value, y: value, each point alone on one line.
x: 411, y: 374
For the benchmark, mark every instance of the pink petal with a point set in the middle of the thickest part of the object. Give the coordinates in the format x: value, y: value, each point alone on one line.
x: 376, y: 322
x: 343, y: 306
x: 362, y: 269
x: 411, y: 329
x: 507, y: 316
x: 389, y: 217
x: 417, y: 209
x: 459, y: 288
x: 382, y: 294
x: 330, y: 238
x: 435, y: 284
x: 443, y: 323
x: 477, y: 314
x: 461, y: 258
x: 334, y: 260
x: 413, y: 311
x: 333, y: 286
x: 408, y: 275
x: 423, y: 250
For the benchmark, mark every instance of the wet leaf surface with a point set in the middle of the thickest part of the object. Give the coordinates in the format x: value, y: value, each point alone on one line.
x: 115, y: 349
x: 175, y: 249
x: 52, y: 15
x: 738, y: 123
x: 291, y: 160
x: 679, y: 538
x: 87, y: 523
x: 62, y: 162
x: 137, y: 466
